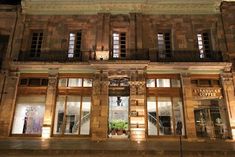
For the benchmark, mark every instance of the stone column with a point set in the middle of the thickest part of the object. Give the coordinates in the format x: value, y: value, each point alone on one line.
x: 228, y: 80
x: 50, y: 102
x: 99, y: 113
x: 190, y: 129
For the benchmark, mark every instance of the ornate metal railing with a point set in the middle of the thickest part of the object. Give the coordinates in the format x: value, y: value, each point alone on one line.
x: 131, y: 54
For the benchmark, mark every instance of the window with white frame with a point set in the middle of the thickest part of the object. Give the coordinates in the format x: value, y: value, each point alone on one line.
x: 74, y: 44
x: 164, y: 44
x: 119, y: 45
x: 203, y: 41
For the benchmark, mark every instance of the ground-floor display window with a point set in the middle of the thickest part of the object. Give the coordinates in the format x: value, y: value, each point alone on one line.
x: 118, y: 116
x: 165, y: 116
x: 29, y: 113
x: 211, y: 119
x: 72, y: 115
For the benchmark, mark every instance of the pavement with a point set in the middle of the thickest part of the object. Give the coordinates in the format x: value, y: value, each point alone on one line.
x: 65, y: 147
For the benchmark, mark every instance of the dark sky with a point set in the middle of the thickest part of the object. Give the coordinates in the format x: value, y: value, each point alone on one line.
x: 12, y: 2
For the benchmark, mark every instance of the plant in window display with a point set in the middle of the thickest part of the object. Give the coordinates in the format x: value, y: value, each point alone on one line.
x: 118, y: 127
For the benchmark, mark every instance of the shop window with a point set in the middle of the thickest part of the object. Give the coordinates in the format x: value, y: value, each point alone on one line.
x: 150, y: 82
x: 75, y: 82
x: 164, y: 45
x: 178, y: 116
x: 36, y: 44
x: 119, y: 45
x: 165, y: 116
x: 72, y: 115
x: 163, y: 83
x: 29, y: 113
x: 36, y: 82
x: 153, y: 122
x: 87, y: 82
x: 210, y: 119
x: 203, y: 41
x: 74, y: 44
x: 175, y: 83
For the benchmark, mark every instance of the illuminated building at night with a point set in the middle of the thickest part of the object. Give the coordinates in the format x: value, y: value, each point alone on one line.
x: 118, y: 69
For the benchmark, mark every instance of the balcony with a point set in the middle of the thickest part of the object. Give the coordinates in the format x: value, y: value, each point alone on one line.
x: 131, y: 54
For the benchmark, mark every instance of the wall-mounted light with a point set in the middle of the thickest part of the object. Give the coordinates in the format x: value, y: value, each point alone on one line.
x: 102, y: 54
x: 46, y: 132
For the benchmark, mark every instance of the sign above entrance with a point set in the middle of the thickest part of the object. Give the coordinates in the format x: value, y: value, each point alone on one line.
x: 207, y: 93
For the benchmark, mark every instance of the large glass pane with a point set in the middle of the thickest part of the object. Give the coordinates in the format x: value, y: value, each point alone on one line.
x: 85, y: 116
x: 75, y: 82
x: 59, y: 115
x: 175, y: 83
x: 178, y: 113
x: 150, y: 83
x: 152, y: 116
x: 87, y: 82
x: 72, y: 115
x: 29, y: 113
x: 165, y: 115
x: 118, y: 116
x: 63, y: 82
x: 163, y: 83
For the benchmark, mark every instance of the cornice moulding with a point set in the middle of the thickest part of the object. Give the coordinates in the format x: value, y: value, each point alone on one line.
x: 71, y: 7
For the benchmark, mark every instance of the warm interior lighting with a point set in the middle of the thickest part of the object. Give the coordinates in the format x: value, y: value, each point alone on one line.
x: 46, y: 132
x: 233, y: 134
x: 102, y: 55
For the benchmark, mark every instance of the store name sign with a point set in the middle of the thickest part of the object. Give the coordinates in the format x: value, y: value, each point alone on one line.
x: 207, y: 93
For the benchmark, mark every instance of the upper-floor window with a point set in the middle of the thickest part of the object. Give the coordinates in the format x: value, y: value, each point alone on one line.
x: 203, y: 41
x: 75, y: 82
x: 36, y: 44
x: 119, y: 45
x: 74, y: 44
x: 163, y: 82
x: 164, y: 44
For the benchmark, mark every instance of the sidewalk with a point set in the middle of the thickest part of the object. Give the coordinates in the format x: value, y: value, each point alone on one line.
x: 86, y: 148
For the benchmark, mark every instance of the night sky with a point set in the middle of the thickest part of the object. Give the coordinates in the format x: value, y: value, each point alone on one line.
x: 12, y: 2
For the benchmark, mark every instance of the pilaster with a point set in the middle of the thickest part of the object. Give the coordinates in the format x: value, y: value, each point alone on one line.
x: 137, y: 106
x: 50, y: 103
x: 228, y: 80
x: 188, y: 106
x: 99, y: 118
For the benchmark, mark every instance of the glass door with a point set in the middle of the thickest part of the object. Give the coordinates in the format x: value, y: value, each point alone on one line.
x: 118, y: 116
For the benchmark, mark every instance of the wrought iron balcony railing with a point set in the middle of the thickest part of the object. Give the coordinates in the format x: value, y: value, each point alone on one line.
x: 136, y: 54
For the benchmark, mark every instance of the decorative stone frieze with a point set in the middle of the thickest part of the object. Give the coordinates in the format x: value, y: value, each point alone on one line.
x: 120, y: 6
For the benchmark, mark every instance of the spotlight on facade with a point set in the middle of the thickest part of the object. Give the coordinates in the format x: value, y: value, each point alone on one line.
x: 46, y: 132
x: 102, y: 55
x: 233, y: 133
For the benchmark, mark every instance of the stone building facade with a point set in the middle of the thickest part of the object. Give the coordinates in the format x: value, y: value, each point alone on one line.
x: 105, y: 70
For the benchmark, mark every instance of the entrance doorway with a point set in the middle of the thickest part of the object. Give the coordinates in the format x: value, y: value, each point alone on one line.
x: 210, y: 121
x: 118, y: 116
